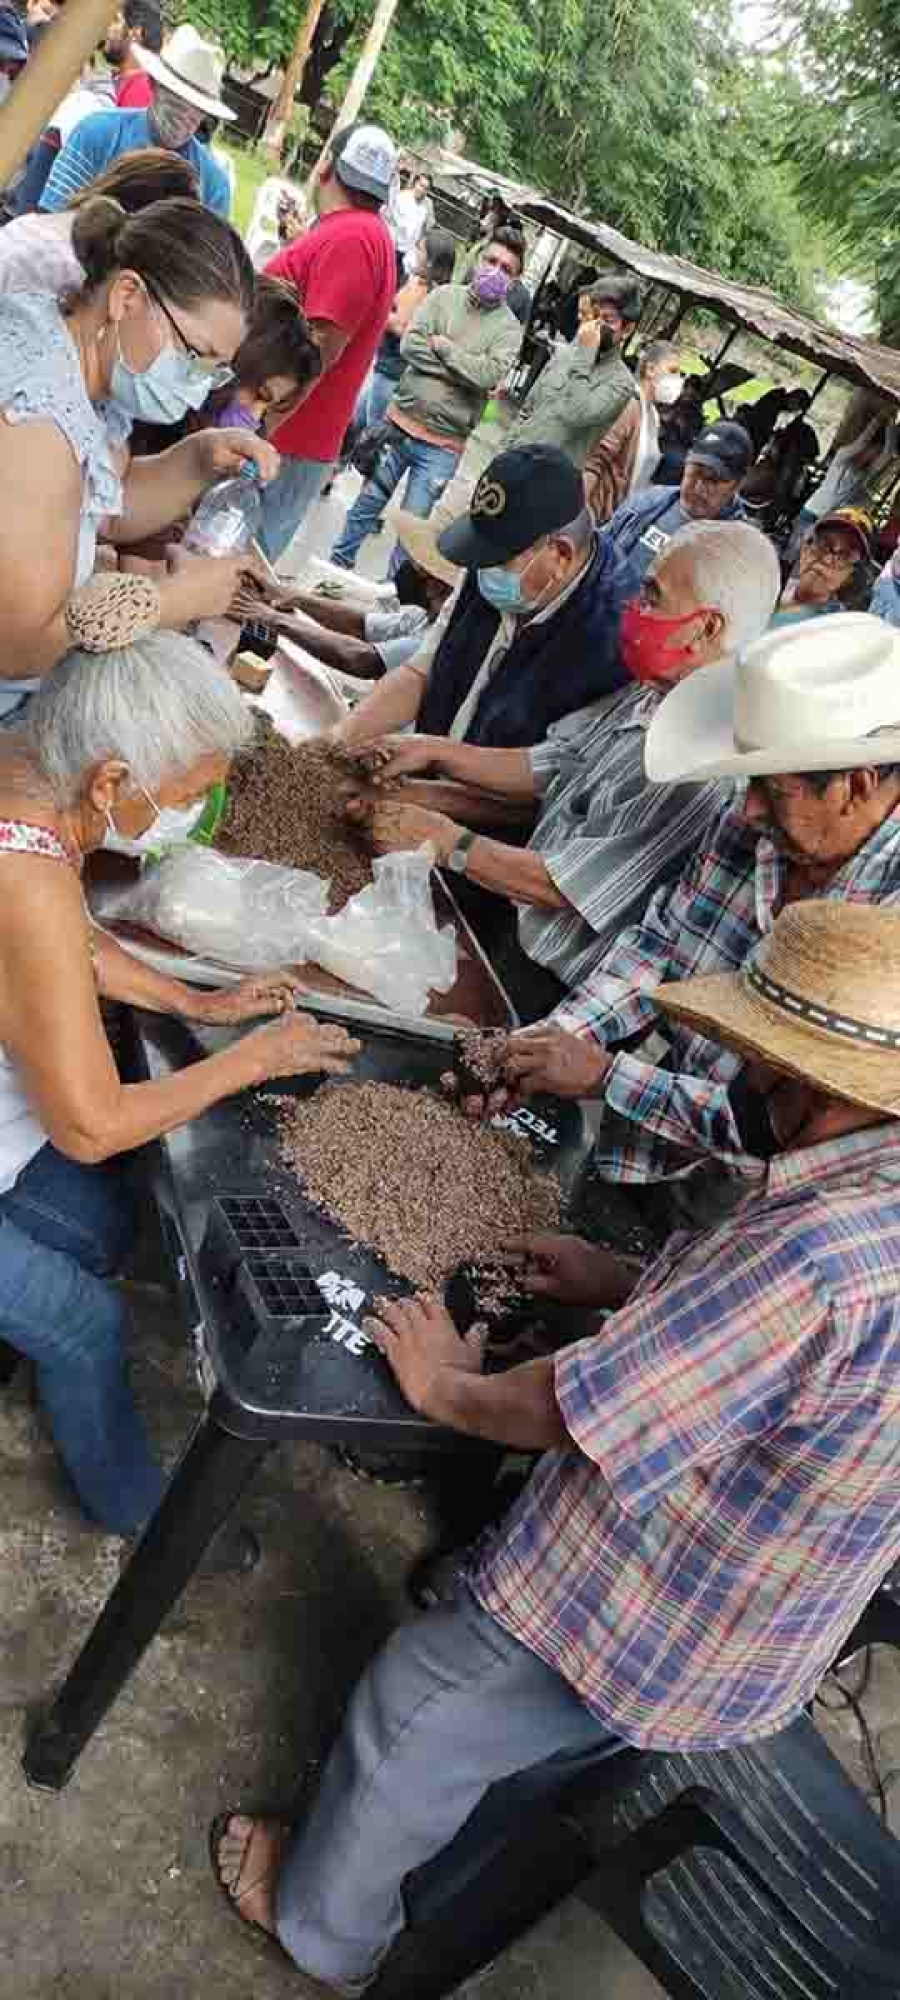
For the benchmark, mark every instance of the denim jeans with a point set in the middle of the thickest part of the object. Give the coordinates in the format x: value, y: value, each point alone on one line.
x: 63, y: 1228
x: 451, y: 1706
x: 287, y: 501
x: 429, y: 466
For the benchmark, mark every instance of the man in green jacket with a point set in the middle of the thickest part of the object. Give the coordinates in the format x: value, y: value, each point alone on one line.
x: 586, y: 386
x: 459, y: 346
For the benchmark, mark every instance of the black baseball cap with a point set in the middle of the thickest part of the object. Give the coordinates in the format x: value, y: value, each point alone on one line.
x: 525, y: 493
x: 726, y: 448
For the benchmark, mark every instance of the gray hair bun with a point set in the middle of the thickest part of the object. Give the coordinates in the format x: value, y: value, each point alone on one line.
x: 112, y: 611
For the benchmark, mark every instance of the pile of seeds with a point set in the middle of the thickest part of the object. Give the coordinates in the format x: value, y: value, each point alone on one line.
x: 406, y: 1173
x: 479, y: 1059
x: 286, y: 804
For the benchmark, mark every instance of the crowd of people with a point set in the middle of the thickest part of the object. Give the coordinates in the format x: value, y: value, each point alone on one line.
x: 660, y: 765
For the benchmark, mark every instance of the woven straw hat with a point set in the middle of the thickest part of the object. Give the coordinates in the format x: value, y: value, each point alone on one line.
x: 819, y: 997
x: 419, y: 538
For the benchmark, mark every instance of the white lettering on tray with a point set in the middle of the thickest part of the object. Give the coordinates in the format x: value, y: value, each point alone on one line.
x: 528, y: 1121
x: 345, y: 1297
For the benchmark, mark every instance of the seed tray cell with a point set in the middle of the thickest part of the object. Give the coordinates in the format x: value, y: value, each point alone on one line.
x: 286, y: 1287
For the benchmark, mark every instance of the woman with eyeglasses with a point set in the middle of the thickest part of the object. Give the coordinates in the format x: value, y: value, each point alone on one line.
x: 165, y: 304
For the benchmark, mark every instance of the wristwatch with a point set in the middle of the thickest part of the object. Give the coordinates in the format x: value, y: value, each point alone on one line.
x: 457, y: 860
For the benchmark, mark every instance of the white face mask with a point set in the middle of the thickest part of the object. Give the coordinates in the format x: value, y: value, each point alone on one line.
x: 668, y: 388
x: 171, y: 825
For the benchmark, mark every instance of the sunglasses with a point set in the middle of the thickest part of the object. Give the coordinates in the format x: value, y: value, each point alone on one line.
x: 200, y: 367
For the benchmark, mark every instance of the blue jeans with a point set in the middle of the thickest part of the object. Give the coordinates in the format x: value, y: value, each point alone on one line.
x: 287, y: 501
x: 63, y: 1228
x: 451, y: 1706
x: 429, y: 466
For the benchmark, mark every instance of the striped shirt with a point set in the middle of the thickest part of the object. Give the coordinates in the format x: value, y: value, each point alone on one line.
x: 731, y: 1497
x: 99, y: 140
x: 669, y: 1099
x: 607, y: 838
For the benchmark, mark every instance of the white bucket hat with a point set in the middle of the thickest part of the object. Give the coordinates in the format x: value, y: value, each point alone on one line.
x: 191, y: 68
x: 820, y: 696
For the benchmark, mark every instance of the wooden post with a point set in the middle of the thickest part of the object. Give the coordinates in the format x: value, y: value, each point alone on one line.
x: 362, y: 75
x: 56, y: 64
x: 277, y: 121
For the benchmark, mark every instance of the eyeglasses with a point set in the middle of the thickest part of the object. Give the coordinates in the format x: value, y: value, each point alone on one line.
x: 835, y: 553
x: 201, y: 367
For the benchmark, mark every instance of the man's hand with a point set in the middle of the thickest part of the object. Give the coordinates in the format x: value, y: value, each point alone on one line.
x: 441, y: 342
x: 420, y: 1344
x: 592, y: 335
x: 400, y: 757
x: 569, y: 1269
x: 550, y: 1060
x: 264, y: 993
x: 222, y: 453
x: 206, y: 585
x: 391, y: 828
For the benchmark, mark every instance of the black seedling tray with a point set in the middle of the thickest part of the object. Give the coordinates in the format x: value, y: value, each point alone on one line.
x: 276, y: 1291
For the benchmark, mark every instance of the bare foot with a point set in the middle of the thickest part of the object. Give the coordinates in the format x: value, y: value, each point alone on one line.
x: 248, y: 1859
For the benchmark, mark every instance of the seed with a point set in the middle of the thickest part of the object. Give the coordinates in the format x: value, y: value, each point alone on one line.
x: 286, y: 804
x: 404, y: 1172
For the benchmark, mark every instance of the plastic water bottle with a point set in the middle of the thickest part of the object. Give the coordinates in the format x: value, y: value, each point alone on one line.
x: 226, y: 520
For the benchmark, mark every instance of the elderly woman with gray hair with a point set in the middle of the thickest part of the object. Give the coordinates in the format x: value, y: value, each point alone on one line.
x: 112, y: 745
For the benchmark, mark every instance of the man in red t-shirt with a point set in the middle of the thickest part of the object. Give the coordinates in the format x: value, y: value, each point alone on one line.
x: 138, y: 24
x: 344, y: 272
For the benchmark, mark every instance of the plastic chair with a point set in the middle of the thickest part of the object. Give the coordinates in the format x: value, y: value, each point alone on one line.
x: 754, y: 1874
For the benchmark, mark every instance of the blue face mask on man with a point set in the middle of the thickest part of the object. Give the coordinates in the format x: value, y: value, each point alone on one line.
x: 502, y: 589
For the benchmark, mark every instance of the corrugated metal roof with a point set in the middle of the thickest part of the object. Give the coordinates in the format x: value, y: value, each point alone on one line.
x: 865, y: 362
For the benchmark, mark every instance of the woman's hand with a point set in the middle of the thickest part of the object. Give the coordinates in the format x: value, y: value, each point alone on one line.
x: 202, y: 586
x: 569, y: 1269
x: 419, y: 1341
x: 391, y: 828
x: 299, y: 1046
x: 221, y: 453
x: 263, y: 993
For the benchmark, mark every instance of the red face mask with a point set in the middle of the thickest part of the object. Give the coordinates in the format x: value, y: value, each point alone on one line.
x: 644, y: 641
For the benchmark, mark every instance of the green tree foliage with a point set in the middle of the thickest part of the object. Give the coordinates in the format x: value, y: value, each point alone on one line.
x: 842, y: 138
x: 645, y: 113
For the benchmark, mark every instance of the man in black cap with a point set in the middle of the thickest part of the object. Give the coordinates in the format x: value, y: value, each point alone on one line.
x: 530, y: 633
x: 715, y: 467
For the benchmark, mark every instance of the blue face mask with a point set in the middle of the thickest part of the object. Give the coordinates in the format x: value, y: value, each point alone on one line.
x: 162, y: 393
x: 502, y: 589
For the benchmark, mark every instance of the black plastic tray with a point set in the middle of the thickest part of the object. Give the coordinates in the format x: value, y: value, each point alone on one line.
x: 235, y: 1201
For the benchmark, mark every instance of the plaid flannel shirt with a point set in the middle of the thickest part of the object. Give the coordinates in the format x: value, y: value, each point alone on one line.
x: 670, y: 1096
x: 731, y: 1497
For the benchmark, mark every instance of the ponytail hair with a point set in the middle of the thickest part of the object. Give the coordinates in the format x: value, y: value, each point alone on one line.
x: 184, y: 251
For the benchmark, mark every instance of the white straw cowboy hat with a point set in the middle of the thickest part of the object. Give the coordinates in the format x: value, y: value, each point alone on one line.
x: 191, y: 68
x: 418, y: 538
x: 819, y: 997
x: 821, y: 696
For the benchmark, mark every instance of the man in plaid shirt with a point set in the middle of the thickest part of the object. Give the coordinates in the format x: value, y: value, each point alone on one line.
x: 670, y: 1101
x: 719, y: 1494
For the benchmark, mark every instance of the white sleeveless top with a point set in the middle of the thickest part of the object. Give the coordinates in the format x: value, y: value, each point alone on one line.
x: 21, y: 1133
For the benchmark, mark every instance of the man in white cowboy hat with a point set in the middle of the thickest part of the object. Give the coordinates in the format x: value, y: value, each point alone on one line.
x: 187, y: 77
x: 718, y: 1496
x: 603, y: 839
x: 367, y: 644
x: 810, y: 715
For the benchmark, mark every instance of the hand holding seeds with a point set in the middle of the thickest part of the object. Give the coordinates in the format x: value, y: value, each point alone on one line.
x: 569, y: 1269
x: 299, y: 1046
x: 392, y: 828
x: 419, y: 1341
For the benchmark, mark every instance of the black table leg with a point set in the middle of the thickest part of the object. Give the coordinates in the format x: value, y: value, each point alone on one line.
x: 9, y: 1362
x: 213, y: 1472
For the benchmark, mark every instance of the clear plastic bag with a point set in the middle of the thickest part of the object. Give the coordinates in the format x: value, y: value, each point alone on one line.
x: 255, y: 916
x: 248, y: 914
x: 386, y: 939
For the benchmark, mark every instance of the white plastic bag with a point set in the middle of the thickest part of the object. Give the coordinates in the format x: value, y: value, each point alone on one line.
x: 386, y: 938
x: 248, y: 914
x: 255, y: 916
